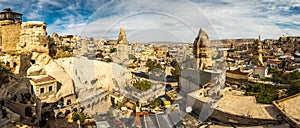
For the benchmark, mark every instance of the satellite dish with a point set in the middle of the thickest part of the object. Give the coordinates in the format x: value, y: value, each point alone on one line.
x: 188, y: 109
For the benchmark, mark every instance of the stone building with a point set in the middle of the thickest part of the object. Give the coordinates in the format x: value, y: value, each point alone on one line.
x: 289, y: 44
x: 84, y: 45
x: 44, y: 86
x: 16, y: 35
x: 69, y: 40
x: 261, y: 71
x: 10, y: 30
x: 33, y: 37
x: 201, y: 50
x: 19, y: 99
x: 238, y: 74
x: 193, y: 79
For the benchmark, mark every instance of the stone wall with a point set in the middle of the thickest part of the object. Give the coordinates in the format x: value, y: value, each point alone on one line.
x: 187, y: 86
x: 33, y: 37
x: 10, y: 33
x: 19, y: 108
x: 237, y: 75
x: 235, y: 119
x: 18, y: 63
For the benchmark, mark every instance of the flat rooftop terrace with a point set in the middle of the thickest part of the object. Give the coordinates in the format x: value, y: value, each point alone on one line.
x: 290, y: 106
x: 244, y: 106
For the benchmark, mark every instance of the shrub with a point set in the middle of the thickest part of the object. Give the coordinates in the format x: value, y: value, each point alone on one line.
x: 142, y: 85
x: 294, y: 88
x: 263, y: 93
x: 76, y: 117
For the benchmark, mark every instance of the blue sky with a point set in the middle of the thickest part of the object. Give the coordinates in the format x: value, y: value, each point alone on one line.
x: 164, y: 20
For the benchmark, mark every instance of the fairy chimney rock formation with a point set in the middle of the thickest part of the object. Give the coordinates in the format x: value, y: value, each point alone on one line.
x: 257, y: 58
x: 201, y: 50
x: 122, y: 37
x: 122, y: 48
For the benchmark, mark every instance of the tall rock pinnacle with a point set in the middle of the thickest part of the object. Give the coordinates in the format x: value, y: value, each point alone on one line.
x: 201, y: 51
x: 122, y: 37
x: 257, y: 53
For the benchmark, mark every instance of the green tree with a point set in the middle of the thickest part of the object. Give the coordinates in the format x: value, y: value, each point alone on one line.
x: 267, y: 95
x: 156, y: 103
x: 292, y: 76
x: 142, y: 85
x: 4, y: 113
x: 153, y: 65
x: 66, y: 48
x: 263, y: 93
x: 3, y: 69
x: 294, y: 88
x: 76, y: 117
x: 81, y: 117
x: 4, y: 72
x: 176, y: 72
x: 279, y: 77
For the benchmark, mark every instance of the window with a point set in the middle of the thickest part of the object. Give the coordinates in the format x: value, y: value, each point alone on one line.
x: 32, y: 61
x: 42, y: 90
x: 68, y: 102
x: 50, y: 88
x: 15, y: 64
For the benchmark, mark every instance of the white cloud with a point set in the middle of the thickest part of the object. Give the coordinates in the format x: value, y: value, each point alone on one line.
x: 179, y: 19
x: 231, y: 19
x: 41, y: 3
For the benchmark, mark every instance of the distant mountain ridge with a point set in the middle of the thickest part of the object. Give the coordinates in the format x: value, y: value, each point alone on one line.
x: 220, y: 41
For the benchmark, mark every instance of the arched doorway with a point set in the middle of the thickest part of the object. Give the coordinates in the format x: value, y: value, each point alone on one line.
x: 69, y: 102
x: 28, y: 111
x: 75, y: 110
x: 46, y: 115
x: 67, y: 112
x: 61, y: 100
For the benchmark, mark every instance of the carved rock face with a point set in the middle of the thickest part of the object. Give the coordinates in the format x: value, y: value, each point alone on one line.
x: 33, y: 37
x: 201, y: 50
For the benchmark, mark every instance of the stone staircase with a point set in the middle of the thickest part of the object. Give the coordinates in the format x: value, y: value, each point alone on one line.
x: 3, y: 122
